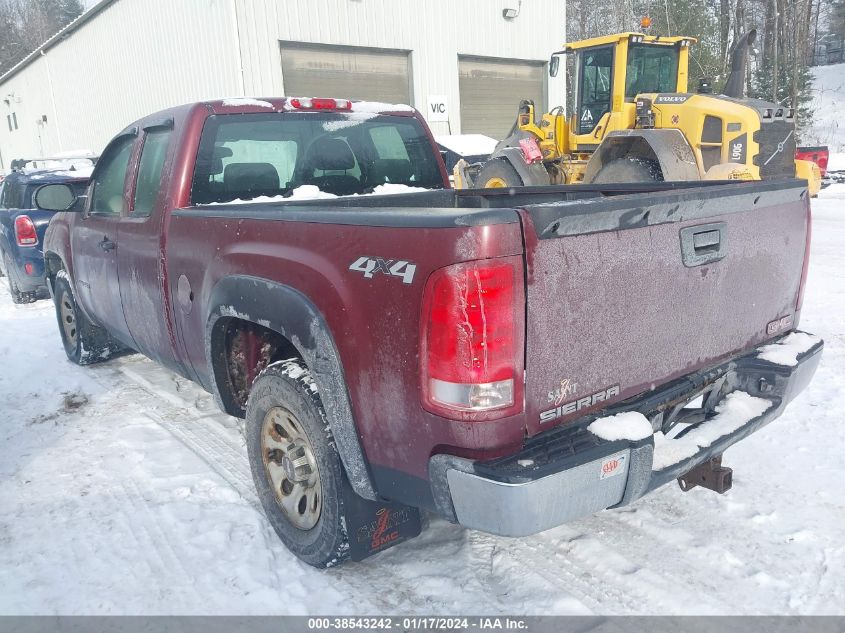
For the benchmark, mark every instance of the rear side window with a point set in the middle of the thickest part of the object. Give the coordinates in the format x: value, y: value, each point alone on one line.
x: 110, y: 178
x: 247, y: 156
x: 149, y: 171
x: 12, y: 195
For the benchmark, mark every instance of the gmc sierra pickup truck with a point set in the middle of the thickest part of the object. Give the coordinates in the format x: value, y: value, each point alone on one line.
x: 508, y: 359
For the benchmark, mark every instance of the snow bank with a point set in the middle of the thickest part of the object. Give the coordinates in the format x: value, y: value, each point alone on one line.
x: 630, y: 426
x: 733, y: 412
x: 787, y: 350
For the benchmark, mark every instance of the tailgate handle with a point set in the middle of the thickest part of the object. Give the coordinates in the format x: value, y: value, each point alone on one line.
x: 703, y: 244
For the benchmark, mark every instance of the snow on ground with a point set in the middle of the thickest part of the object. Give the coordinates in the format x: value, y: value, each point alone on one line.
x: 123, y: 490
x: 827, y: 126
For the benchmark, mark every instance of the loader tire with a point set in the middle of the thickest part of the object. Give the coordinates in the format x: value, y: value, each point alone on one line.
x: 295, y: 465
x: 623, y: 170
x: 497, y: 174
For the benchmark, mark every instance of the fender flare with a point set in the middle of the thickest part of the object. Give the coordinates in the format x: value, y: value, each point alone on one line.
x: 532, y: 174
x: 669, y: 147
x: 290, y: 313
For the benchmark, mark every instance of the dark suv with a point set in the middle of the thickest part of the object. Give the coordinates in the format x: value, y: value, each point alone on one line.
x: 22, y: 226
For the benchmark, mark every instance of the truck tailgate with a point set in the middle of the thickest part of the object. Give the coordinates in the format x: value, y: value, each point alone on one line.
x: 627, y: 293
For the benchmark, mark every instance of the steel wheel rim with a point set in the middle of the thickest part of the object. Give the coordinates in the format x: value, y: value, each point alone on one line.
x: 290, y: 468
x: 495, y: 183
x: 68, y: 316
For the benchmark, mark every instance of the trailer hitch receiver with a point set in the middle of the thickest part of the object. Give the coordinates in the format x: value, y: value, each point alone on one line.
x: 711, y: 475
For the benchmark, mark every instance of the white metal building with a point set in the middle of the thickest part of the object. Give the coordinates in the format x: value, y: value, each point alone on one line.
x: 126, y: 58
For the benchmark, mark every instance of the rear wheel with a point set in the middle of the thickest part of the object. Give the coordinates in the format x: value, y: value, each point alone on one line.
x: 623, y: 170
x: 295, y: 465
x: 84, y: 342
x: 496, y: 174
x: 18, y: 296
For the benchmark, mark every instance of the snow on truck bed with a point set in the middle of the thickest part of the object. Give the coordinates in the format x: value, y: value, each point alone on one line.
x: 312, y: 192
x: 123, y: 490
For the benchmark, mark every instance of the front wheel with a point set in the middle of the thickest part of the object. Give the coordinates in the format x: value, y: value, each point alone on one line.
x: 295, y: 466
x: 84, y: 342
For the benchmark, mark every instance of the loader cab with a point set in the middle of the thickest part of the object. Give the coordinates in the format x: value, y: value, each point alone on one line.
x: 606, y: 73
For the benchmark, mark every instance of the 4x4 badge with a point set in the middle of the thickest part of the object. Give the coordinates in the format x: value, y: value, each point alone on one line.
x: 390, y: 267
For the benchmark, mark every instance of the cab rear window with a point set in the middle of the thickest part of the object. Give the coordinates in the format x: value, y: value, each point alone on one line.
x: 246, y: 156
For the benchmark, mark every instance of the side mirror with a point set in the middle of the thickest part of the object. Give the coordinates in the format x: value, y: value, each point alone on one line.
x: 554, y: 65
x: 57, y: 197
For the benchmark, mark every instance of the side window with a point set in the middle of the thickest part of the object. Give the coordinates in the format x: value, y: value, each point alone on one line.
x: 596, y: 68
x: 2, y: 195
x: 107, y: 190
x: 11, y: 195
x: 149, y: 171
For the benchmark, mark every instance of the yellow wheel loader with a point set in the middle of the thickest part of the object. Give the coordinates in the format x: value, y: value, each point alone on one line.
x: 634, y: 120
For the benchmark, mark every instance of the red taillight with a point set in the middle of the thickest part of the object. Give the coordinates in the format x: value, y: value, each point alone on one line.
x: 25, y: 231
x: 472, y: 339
x: 317, y: 103
x: 800, y: 300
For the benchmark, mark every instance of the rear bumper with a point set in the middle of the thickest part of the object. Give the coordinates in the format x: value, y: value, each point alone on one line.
x: 568, y: 472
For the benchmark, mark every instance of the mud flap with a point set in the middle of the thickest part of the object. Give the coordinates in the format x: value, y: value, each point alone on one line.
x: 374, y: 526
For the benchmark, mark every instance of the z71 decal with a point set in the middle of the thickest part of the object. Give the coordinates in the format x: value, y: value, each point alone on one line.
x: 390, y: 267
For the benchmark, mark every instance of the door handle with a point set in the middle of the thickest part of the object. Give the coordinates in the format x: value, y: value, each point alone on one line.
x: 107, y: 244
x: 703, y: 244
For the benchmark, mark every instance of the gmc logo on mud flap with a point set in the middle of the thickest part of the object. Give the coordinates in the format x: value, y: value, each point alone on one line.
x: 377, y: 532
x: 370, y: 266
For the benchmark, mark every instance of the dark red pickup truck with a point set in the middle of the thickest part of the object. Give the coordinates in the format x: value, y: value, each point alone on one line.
x: 508, y: 359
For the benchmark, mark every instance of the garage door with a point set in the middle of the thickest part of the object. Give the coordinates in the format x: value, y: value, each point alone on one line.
x: 346, y: 72
x: 491, y: 90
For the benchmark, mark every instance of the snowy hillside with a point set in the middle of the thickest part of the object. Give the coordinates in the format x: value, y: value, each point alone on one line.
x: 828, y: 124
